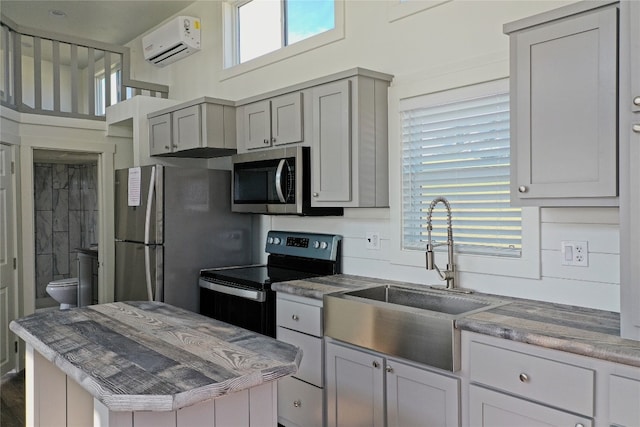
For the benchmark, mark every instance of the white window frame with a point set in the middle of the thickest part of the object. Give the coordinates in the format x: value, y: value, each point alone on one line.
x: 525, y: 266
x: 230, y: 41
x: 99, y: 98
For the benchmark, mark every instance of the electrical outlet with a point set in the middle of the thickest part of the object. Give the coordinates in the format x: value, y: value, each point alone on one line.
x: 372, y: 240
x: 575, y: 253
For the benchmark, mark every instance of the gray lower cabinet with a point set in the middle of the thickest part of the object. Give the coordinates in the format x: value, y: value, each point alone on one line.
x: 349, y: 144
x: 272, y: 122
x: 301, y: 397
x: 517, y: 384
x: 366, y: 388
x: 564, y: 107
x: 202, y: 128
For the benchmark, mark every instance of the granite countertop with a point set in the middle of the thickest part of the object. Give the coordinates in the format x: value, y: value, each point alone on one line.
x: 136, y: 356
x: 578, y: 330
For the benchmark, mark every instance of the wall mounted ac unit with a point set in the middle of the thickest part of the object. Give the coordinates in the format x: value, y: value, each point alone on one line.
x: 174, y: 40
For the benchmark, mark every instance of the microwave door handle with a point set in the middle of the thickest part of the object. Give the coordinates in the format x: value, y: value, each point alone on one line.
x: 279, y: 180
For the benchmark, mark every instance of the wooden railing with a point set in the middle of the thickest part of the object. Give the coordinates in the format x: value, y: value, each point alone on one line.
x: 56, y: 74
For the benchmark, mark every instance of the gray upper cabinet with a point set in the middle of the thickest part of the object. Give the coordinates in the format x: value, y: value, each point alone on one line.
x: 274, y: 121
x: 563, y: 108
x: 343, y: 118
x: 205, y: 127
x: 629, y: 170
x: 349, y: 147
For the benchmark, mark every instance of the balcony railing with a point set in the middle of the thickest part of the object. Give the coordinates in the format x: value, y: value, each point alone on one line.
x: 55, y: 74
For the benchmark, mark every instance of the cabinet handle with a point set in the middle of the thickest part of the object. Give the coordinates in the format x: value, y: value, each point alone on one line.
x: 522, y: 189
x: 524, y: 378
x: 389, y: 369
x: 295, y: 317
x: 636, y: 100
x: 375, y: 364
x: 175, y: 145
x: 166, y: 147
x: 265, y: 141
x: 636, y: 128
x: 315, y: 194
x: 297, y: 403
x: 579, y: 425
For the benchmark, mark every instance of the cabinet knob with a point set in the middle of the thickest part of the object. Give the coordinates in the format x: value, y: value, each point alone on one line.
x: 295, y: 317
x: 579, y: 425
x: 166, y: 147
x: 297, y: 403
x: 315, y: 194
x: 265, y: 141
x: 273, y: 140
x: 636, y: 100
x: 523, y: 189
x: 175, y: 146
x: 375, y: 364
x: 389, y: 369
x: 524, y: 378
x: 636, y: 128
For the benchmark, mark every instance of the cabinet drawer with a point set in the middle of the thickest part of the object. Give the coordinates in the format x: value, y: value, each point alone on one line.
x: 488, y: 408
x: 624, y: 395
x: 300, y: 317
x: 299, y: 403
x: 310, y: 369
x: 533, y: 377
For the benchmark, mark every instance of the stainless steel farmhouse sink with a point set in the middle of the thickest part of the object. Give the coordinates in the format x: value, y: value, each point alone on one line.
x: 412, y: 323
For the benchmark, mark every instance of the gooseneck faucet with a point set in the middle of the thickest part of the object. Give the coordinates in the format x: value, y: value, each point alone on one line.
x: 449, y: 273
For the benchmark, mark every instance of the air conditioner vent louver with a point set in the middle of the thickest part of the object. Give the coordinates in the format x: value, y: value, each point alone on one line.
x: 174, y: 40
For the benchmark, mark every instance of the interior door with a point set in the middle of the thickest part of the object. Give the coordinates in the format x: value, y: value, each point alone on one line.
x: 8, y: 272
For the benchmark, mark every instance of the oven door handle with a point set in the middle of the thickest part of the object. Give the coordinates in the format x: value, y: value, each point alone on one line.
x: 250, y: 294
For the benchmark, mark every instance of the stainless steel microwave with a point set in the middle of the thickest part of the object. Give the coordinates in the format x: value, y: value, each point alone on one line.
x: 275, y: 182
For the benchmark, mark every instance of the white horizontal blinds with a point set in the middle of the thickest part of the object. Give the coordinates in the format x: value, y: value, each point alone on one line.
x: 459, y: 149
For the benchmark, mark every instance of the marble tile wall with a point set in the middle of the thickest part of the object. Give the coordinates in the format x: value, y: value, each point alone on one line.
x: 66, y: 214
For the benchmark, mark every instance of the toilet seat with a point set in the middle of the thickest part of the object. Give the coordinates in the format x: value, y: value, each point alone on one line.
x: 62, y: 283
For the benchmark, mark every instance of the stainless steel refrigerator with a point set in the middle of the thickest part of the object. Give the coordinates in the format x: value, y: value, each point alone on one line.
x: 170, y: 223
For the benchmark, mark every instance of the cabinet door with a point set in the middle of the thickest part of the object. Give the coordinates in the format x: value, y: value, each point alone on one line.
x: 286, y: 119
x: 634, y: 40
x: 354, y: 387
x: 331, y: 153
x: 187, y: 126
x: 492, y: 409
x: 418, y: 397
x: 564, y: 109
x: 257, y: 121
x: 160, y: 134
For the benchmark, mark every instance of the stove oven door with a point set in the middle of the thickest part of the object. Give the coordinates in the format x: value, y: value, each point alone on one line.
x: 244, y: 307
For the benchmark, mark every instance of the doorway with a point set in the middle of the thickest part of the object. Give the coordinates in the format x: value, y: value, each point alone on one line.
x: 65, y: 213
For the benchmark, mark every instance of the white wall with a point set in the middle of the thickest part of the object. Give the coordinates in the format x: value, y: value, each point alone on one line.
x: 455, y: 44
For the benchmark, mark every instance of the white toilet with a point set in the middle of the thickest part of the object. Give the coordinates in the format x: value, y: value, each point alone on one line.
x: 65, y: 291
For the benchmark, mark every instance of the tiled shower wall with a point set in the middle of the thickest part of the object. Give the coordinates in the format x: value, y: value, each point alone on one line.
x: 66, y: 202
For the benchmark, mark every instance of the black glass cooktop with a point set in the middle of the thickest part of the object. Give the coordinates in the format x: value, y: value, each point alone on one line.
x: 254, y: 276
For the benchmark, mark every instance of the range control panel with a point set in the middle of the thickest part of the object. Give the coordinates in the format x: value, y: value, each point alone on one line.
x: 307, y: 245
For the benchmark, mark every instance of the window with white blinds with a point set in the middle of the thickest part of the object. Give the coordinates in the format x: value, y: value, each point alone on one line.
x: 456, y: 145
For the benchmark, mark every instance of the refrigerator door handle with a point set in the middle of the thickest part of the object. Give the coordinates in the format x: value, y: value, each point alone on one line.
x: 147, y: 225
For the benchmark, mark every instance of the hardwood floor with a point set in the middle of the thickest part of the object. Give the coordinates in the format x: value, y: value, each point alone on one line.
x: 12, y: 409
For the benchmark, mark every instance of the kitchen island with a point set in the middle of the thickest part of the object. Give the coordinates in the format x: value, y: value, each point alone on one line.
x: 149, y: 363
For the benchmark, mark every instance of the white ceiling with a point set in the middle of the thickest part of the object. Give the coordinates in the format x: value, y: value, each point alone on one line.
x: 109, y: 21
